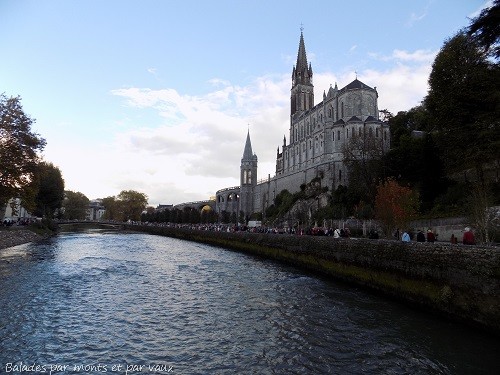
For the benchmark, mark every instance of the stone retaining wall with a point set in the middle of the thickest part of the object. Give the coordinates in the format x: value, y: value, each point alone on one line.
x: 458, y: 281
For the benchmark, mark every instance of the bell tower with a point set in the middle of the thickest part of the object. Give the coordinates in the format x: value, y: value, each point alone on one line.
x: 302, y: 92
x: 248, y: 179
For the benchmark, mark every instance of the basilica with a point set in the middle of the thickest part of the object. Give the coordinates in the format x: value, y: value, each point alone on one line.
x: 317, y: 141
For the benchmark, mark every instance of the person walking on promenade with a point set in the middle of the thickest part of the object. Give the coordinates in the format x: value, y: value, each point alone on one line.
x: 420, y: 236
x: 468, y: 238
x: 405, y: 237
x: 397, y: 233
x: 453, y: 239
x: 430, y: 236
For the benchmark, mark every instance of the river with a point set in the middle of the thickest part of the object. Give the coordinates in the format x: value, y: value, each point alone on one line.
x: 107, y: 302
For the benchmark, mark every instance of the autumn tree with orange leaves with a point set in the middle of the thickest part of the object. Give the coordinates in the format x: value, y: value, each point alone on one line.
x: 395, y: 205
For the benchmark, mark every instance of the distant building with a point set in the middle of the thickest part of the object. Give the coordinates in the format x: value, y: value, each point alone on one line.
x: 316, y: 136
x: 163, y: 207
x: 95, y: 210
x: 15, y: 211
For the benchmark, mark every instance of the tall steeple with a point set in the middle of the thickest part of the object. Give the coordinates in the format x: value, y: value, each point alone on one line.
x: 247, y: 152
x: 248, y: 179
x: 301, y: 66
x: 302, y: 93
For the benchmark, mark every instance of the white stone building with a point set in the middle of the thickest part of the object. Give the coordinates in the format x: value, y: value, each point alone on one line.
x: 317, y: 137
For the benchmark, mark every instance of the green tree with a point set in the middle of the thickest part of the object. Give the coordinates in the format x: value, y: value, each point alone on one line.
x: 75, y: 205
x: 111, y: 208
x: 50, y: 193
x: 363, y: 155
x: 464, y: 105
x: 485, y: 28
x: 131, y: 204
x: 19, y: 149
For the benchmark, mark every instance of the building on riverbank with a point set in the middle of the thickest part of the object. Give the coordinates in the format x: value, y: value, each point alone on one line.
x: 317, y: 139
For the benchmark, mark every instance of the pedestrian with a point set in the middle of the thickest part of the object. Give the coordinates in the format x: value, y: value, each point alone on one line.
x: 453, y: 239
x: 405, y: 237
x: 468, y: 238
x: 336, y: 233
x: 397, y: 233
x: 420, y: 236
x: 430, y: 236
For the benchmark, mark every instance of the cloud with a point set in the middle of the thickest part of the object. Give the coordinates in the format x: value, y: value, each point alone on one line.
x: 414, y: 18
x: 418, y: 56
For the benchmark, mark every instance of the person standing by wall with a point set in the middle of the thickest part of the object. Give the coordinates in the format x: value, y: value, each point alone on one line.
x: 430, y: 236
x: 468, y: 238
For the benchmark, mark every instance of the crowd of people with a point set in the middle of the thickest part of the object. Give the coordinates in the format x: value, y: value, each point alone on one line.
x: 430, y: 236
x: 405, y: 236
x: 7, y: 222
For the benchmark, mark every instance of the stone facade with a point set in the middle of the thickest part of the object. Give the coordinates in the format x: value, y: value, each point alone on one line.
x: 318, y: 135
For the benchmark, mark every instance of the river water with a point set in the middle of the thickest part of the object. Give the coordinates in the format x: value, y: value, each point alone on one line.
x: 106, y: 302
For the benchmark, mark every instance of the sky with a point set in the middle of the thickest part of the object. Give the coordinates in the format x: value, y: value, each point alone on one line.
x: 158, y: 96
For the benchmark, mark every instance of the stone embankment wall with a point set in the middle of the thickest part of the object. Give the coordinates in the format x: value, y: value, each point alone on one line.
x: 14, y: 237
x: 458, y: 281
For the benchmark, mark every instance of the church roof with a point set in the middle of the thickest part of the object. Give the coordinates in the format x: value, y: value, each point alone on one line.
x: 339, y: 122
x: 357, y: 84
x: 371, y: 119
x: 248, y: 153
x: 354, y: 119
x: 301, y: 55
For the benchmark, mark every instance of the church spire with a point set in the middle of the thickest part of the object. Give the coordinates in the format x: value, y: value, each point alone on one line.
x: 301, y: 55
x: 302, y: 93
x: 248, y: 153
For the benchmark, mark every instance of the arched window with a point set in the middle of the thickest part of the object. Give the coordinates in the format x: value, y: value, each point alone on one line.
x: 347, y: 133
x: 370, y: 132
x: 342, y: 110
x: 360, y: 132
x: 376, y: 132
x: 340, y: 176
x: 338, y: 135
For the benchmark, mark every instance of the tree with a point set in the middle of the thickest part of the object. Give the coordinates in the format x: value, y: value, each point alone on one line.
x: 111, y: 209
x: 19, y: 149
x: 395, y: 205
x: 131, y: 204
x: 363, y: 155
x: 75, y: 205
x: 50, y: 193
x: 464, y: 105
x: 485, y: 28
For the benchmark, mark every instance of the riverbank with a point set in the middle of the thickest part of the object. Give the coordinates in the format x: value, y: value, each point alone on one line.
x: 14, y: 236
x: 457, y: 281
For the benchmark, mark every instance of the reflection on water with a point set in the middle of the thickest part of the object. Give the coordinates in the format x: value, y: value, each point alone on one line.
x: 107, y: 299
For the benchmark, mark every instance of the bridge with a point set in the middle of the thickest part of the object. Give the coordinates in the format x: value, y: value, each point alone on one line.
x: 94, y: 223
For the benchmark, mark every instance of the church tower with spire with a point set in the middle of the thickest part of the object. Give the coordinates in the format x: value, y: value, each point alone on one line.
x: 248, y: 179
x: 315, y: 151
x: 302, y: 92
